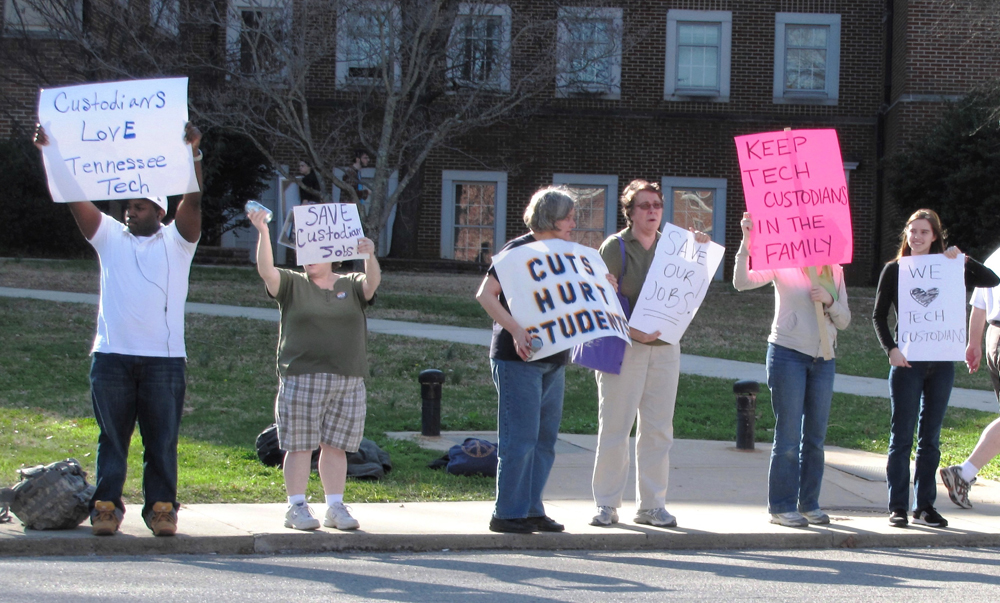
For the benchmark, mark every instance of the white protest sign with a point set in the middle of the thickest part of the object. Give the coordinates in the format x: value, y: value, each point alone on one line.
x: 559, y: 291
x: 117, y: 140
x: 676, y: 283
x: 327, y: 232
x: 931, y: 307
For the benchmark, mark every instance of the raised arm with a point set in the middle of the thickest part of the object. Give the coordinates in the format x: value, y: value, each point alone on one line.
x: 265, y: 255
x: 373, y: 272
x: 188, y: 216
x: 86, y: 214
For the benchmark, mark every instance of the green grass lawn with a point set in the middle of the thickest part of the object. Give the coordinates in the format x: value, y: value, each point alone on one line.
x: 231, y: 384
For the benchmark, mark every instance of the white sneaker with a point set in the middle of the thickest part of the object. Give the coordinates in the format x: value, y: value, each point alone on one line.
x: 338, y: 516
x: 605, y: 516
x: 792, y: 519
x: 816, y: 517
x: 656, y: 517
x: 300, y: 517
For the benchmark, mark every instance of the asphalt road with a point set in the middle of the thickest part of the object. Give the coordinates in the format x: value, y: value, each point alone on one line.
x: 812, y: 575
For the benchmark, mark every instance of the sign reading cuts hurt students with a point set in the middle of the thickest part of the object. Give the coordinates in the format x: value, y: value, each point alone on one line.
x: 117, y: 140
x: 930, y: 320
x: 559, y: 291
x: 795, y: 189
x: 327, y: 232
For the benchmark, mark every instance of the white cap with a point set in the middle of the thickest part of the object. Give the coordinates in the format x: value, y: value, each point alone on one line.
x: 161, y: 201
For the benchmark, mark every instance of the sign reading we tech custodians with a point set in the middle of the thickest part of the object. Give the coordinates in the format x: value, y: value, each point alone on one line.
x: 559, y: 291
x: 931, y: 308
x: 676, y: 283
x: 795, y: 189
x: 117, y: 140
x: 327, y: 232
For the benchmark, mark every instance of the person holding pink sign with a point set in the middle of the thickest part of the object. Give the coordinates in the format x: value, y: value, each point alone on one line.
x: 800, y: 379
x: 918, y: 391
x: 322, y: 365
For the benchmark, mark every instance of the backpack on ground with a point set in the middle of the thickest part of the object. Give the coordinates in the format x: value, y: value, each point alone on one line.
x: 472, y: 457
x: 50, y: 497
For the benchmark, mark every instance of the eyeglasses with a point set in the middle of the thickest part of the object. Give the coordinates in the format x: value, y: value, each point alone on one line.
x: 647, y: 205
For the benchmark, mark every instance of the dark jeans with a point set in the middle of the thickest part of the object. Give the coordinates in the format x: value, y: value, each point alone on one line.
x: 144, y: 389
x: 919, y: 397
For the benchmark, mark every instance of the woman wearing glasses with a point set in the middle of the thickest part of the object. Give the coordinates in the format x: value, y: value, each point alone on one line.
x: 647, y: 385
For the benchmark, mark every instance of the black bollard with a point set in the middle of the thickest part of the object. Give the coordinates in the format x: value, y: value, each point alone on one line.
x: 430, y: 394
x: 746, y: 413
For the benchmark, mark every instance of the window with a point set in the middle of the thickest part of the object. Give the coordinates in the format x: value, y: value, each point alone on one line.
x: 698, y: 203
x: 806, y: 58
x: 479, y: 51
x: 473, y: 214
x: 257, y: 35
x: 42, y: 18
x: 589, y: 52
x: 699, y: 45
x: 596, y: 206
x: 165, y: 15
x: 367, y: 43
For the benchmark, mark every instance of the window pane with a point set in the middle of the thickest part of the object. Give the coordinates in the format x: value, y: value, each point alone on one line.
x: 590, y: 204
x: 479, y: 45
x: 698, y: 33
x: 693, y: 208
x: 698, y: 53
x: 805, y: 57
x: 475, y: 204
x: 260, y: 36
x: 591, y: 51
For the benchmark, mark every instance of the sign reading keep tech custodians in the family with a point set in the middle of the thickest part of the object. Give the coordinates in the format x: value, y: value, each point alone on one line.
x: 117, y: 140
x: 931, y: 307
x: 327, y: 232
x: 796, y: 192
x: 676, y: 283
x: 559, y: 291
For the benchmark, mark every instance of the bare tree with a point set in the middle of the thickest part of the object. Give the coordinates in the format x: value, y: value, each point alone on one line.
x: 313, y: 79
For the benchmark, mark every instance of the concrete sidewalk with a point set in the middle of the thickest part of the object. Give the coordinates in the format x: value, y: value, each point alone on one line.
x: 692, y: 365
x: 717, y: 493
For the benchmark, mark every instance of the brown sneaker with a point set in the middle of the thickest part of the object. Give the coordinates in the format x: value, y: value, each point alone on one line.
x: 105, y: 518
x: 162, y: 519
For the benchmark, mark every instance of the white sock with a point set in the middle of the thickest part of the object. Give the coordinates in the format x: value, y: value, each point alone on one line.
x: 334, y: 498
x: 969, y: 471
x: 296, y: 499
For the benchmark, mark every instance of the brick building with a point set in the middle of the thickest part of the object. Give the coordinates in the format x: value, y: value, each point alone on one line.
x: 663, y: 89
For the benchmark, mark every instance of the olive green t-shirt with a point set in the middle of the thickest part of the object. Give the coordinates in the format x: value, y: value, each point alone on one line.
x: 637, y: 262
x: 322, y: 331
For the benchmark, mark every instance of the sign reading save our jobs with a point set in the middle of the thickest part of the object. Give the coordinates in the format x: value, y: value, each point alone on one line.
x: 676, y: 283
x: 795, y: 189
x: 327, y: 232
x: 559, y: 291
x: 931, y: 307
x: 117, y: 140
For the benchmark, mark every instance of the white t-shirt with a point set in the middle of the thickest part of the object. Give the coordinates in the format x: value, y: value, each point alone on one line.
x: 987, y: 298
x: 144, y: 285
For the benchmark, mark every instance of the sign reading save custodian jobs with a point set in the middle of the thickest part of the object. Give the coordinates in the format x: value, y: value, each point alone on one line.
x: 795, y: 190
x: 117, y: 140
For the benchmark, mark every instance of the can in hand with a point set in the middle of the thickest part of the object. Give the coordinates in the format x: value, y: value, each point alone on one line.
x: 255, y: 206
x: 536, y: 344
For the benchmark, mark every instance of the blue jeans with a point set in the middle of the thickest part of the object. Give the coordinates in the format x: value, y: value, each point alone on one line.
x: 919, y: 397
x: 801, y: 391
x: 126, y: 389
x: 529, y: 409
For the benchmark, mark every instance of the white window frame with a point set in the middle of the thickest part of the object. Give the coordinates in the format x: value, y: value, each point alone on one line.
x: 165, y: 15
x: 234, y: 27
x: 669, y: 183
x: 448, y: 180
x: 831, y: 94
x: 610, y: 201
x: 344, y: 62
x: 501, y: 81
x: 565, y: 86
x: 12, y: 20
x: 723, y: 18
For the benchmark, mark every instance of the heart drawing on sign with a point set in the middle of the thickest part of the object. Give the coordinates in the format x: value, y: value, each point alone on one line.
x: 924, y: 298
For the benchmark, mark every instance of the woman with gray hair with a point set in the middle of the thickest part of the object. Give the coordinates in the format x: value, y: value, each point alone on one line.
x: 530, y: 394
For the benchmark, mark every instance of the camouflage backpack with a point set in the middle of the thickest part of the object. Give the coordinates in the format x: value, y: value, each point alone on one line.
x: 49, y: 497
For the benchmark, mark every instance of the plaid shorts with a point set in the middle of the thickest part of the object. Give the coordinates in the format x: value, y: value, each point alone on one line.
x: 320, y: 407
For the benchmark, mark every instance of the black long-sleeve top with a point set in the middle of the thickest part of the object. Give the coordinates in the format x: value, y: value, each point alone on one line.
x: 887, y: 295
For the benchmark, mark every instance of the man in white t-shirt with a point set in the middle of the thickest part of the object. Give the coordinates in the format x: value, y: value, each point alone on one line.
x: 138, y: 369
x: 985, y: 311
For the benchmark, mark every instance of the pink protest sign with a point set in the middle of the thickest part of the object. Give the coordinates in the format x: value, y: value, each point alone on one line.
x: 795, y: 190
